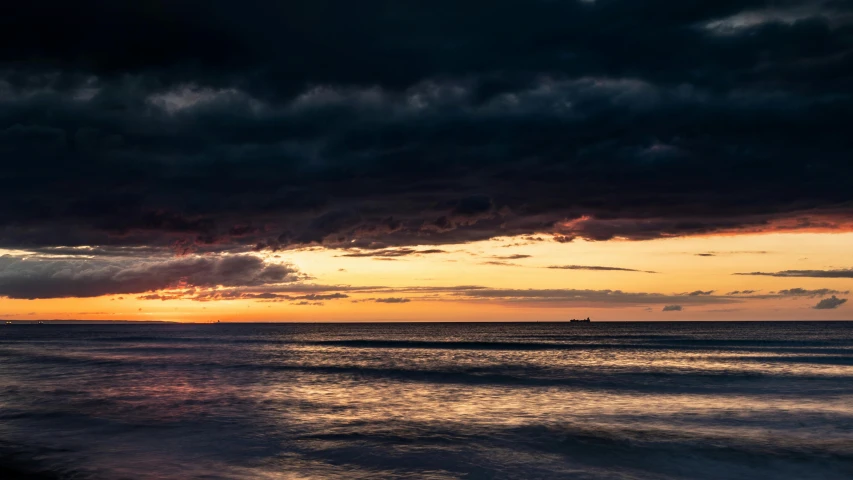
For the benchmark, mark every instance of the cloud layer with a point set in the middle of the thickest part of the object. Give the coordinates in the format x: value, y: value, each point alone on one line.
x: 32, y: 278
x: 389, y: 130
x: 273, y: 124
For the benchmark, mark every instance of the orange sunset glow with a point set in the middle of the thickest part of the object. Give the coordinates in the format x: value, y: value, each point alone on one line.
x: 511, y: 279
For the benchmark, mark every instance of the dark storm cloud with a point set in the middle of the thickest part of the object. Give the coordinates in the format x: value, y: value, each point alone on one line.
x: 672, y: 308
x: 596, y: 268
x: 841, y: 273
x: 204, y: 126
x: 101, y: 251
x: 830, y: 303
x: 42, y: 278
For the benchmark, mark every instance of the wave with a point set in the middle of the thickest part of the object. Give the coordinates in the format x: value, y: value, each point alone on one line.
x: 450, y: 345
x: 756, y: 342
x: 647, y: 402
x: 20, y: 463
x: 534, y: 346
x: 593, y: 450
x: 638, y: 381
x: 15, y: 468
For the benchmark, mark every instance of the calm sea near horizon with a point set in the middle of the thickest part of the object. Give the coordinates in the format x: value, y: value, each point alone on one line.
x: 728, y: 400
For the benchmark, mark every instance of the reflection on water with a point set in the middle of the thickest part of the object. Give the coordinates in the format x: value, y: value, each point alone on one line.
x: 631, y: 400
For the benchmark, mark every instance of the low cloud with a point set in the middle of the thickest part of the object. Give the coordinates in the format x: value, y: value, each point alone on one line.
x: 517, y: 256
x: 240, y: 294
x: 32, y: 278
x: 789, y: 292
x: 830, y: 303
x: 392, y: 300
x: 840, y: 273
x: 557, y: 296
x: 384, y: 300
x: 393, y: 252
x: 738, y: 252
x: 314, y: 297
x: 297, y: 291
x: 802, y: 292
x: 673, y: 308
x: 596, y: 268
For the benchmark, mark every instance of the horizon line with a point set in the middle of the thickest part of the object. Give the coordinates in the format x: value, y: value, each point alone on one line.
x: 372, y: 322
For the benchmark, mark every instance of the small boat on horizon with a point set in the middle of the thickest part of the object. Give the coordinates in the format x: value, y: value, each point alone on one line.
x: 582, y: 320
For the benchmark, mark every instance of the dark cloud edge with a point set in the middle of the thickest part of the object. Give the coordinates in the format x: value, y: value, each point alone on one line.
x: 836, y: 273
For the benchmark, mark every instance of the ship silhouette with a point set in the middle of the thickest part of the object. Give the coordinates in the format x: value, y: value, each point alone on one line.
x: 583, y: 320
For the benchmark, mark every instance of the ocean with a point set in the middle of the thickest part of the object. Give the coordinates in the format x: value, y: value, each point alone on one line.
x: 734, y: 400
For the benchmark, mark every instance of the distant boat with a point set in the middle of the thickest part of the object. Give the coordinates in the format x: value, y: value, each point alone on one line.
x: 586, y: 320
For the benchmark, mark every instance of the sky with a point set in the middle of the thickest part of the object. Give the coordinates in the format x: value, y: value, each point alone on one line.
x: 426, y: 161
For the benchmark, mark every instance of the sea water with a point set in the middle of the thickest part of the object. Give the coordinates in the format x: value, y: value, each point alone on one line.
x: 668, y: 400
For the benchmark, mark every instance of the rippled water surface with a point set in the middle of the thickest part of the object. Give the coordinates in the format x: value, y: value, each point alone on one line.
x: 589, y: 401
